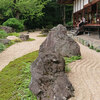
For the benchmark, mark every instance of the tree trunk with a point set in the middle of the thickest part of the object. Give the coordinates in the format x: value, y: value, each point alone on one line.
x: 64, y: 15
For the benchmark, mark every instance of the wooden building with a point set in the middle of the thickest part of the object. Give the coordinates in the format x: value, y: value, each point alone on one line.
x: 89, y: 9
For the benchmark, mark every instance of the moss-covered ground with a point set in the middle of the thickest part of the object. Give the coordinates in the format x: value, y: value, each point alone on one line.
x: 15, y: 79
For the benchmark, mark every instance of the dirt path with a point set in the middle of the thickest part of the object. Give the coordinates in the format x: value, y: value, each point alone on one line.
x: 19, y: 49
x: 85, y: 75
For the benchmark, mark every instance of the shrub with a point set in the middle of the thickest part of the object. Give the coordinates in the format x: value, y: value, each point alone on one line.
x: 14, y: 23
x: 97, y: 50
x: 70, y: 23
x: 3, y: 34
x: 2, y: 47
x: 91, y: 47
x: 50, y: 26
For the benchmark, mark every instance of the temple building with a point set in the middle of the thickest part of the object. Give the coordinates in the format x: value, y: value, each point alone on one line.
x: 89, y: 9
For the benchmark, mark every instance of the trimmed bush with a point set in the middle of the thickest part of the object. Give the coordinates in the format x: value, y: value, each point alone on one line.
x: 3, y: 34
x: 2, y: 47
x: 14, y: 23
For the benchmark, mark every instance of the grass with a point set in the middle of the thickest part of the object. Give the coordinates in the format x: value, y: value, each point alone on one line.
x: 42, y: 35
x: 69, y: 60
x: 15, y: 79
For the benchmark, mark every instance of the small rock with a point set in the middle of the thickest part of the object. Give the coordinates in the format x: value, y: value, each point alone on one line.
x: 24, y: 37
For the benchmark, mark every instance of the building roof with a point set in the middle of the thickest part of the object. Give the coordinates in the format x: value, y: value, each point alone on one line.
x: 65, y: 1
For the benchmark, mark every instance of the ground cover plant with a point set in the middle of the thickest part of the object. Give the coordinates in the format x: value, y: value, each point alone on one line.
x: 15, y: 79
x: 69, y: 60
x: 3, y: 34
x: 41, y: 35
x: 16, y: 76
x: 2, y: 47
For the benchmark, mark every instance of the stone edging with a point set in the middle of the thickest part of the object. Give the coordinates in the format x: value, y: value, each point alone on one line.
x: 88, y: 43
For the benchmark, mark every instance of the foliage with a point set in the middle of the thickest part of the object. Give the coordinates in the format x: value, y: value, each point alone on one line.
x: 69, y: 60
x: 30, y: 39
x: 3, y: 34
x: 14, y: 34
x: 97, y: 50
x: 91, y: 47
x: 42, y: 35
x: 2, y: 47
x: 10, y: 43
x: 34, y: 13
x: 15, y: 79
x: 14, y: 23
x: 70, y: 23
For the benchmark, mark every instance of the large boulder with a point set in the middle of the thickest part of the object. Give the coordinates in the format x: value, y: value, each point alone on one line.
x: 7, y: 29
x: 59, y: 42
x: 49, y: 81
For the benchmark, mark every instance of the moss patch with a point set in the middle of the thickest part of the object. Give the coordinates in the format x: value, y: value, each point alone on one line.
x: 15, y: 79
x: 42, y: 35
x: 30, y: 39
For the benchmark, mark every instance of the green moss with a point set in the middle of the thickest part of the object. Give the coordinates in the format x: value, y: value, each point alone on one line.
x: 69, y: 60
x: 15, y: 79
x: 30, y: 39
x: 42, y: 35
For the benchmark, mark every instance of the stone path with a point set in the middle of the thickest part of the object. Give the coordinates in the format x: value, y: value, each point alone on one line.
x: 19, y: 49
x: 85, y: 75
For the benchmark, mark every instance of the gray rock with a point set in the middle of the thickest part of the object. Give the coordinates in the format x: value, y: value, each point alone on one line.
x: 4, y: 41
x: 59, y: 42
x: 7, y: 29
x: 49, y: 81
x: 24, y: 37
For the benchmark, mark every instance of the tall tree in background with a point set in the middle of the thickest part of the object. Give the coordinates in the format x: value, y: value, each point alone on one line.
x: 34, y: 13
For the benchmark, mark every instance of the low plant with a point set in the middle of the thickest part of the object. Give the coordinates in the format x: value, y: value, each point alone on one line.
x: 91, y: 47
x: 42, y: 35
x: 97, y: 50
x: 69, y: 60
x: 14, y: 34
x: 30, y: 39
x: 17, y: 40
x: 10, y: 43
x: 2, y: 47
x: 3, y: 34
